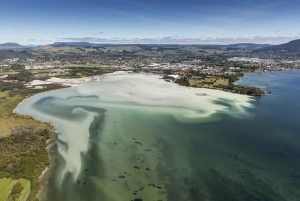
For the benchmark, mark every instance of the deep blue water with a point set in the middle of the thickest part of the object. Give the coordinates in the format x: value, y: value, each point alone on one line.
x: 282, y: 107
x: 252, y: 158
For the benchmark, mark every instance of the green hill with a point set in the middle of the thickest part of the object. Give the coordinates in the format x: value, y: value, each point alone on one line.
x: 292, y: 46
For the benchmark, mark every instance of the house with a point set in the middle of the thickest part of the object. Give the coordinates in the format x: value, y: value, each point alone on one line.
x: 173, y: 77
x: 229, y: 73
x: 11, y: 81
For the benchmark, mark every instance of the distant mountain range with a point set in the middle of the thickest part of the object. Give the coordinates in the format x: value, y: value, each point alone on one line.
x: 75, y: 44
x: 292, y: 46
x: 86, y: 44
x: 10, y: 45
x: 32, y: 46
x: 250, y: 45
x: 238, y: 46
x: 16, y: 46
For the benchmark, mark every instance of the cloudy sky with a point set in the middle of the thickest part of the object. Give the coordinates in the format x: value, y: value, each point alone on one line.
x: 149, y: 21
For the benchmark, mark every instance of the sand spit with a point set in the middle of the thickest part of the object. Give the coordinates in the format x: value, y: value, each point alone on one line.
x: 65, y: 82
x: 149, y: 90
x: 73, y: 82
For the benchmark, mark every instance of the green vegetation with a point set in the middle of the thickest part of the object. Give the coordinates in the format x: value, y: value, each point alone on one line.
x: 18, y: 190
x: 26, y: 190
x: 89, y: 49
x: 5, y: 86
x: 220, y: 82
x: 210, y: 82
x: 22, y: 76
x: 41, y: 71
x: 23, y: 153
x: 3, y: 94
x: 78, y: 72
x: 8, y: 73
x: 17, y: 67
x: 84, y: 50
x: 126, y: 48
x: 89, y: 66
x: 292, y: 46
x: 23, y: 142
x: 6, y: 186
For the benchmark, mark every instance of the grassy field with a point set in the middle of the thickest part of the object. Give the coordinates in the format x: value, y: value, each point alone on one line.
x: 76, y: 50
x: 64, y: 76
x: 169, y: 52
x: 121, y: 48
x: 224, y: 83
x: 26, y: 190
x: 57, y: 50
x: 9, y: 73
x: 209, y: 82
x: 8, y: 121
x: 87, y: 66
x: 8, y: 187
x: 41, y: 71
x: 192, y: 49
x: 65, y: 50
x: 3, y: 94
x: 197, y: 50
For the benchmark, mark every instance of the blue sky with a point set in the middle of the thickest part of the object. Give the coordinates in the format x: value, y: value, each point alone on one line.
x: 149, y: 21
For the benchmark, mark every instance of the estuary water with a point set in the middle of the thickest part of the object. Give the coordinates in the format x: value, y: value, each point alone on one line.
x: 137, y: 137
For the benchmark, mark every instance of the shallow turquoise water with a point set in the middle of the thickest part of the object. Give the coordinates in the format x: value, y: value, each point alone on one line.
x: 147, y: 152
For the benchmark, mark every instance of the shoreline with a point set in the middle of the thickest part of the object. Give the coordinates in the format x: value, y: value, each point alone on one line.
x: 48, y: 141
x: 53, y: 128
x: 230, y: 86
x: 263, y: 73
x: 39, y: 131
x: 163, y: 97
x: 265, y: 91
x: 36, y: 182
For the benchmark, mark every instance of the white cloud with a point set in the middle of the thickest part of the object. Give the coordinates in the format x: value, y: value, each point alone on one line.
x: 185, y: 40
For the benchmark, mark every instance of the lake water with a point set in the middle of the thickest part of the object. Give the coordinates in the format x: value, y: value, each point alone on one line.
x: 135, y: 137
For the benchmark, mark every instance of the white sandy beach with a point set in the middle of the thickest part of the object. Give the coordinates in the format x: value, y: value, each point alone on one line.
x: 65, y: 82
x: 149, y: 90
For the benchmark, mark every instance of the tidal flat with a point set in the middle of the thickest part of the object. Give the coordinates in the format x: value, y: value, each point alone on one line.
x: 137, y: 137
